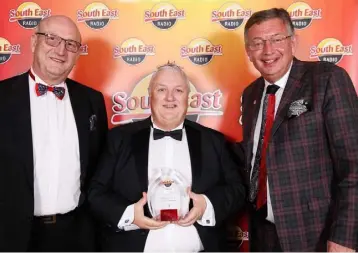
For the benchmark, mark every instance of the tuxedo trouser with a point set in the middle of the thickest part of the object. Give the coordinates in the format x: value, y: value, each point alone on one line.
x: 263, y: 233
x: 72, y: 231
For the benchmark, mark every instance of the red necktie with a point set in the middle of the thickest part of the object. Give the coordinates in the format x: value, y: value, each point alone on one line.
x: 258, y: 185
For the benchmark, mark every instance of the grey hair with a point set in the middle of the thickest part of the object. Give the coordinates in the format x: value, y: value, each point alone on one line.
x: 172, y: 66
x: 264, y: 15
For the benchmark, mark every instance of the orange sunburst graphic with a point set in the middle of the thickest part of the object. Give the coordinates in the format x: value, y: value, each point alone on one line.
x: 302, y: 14
x: 230, y: 15
x: 163, y: 15
x: 7, y: 50
x: 133, y: 51
x: 200, y: 51
x: 331, y: 50
x: 97, y: 15
x: 28, y: 15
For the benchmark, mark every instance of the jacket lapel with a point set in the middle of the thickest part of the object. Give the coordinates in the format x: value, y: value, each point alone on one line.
x: 141, y: 150
x: 81, y: 114
x: 253, y: 108
x: 293, y: 86
x: 21, y: 127
x: 194, y: 144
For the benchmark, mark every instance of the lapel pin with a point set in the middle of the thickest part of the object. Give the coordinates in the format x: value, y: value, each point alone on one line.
x: 254, y: 102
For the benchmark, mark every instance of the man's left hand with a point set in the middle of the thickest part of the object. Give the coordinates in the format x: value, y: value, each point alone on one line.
x: 199, y: 207
x: 334, y: 247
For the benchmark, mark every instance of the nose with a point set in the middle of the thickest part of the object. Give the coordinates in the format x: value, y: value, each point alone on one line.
x: 268, y: 48
x: 169, y: 96
x: 61, y: 48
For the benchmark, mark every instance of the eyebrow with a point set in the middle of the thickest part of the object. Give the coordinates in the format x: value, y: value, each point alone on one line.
x: 164, y: 85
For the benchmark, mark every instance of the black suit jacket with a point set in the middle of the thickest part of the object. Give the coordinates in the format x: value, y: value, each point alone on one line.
x: 122, y: 176
x: 16, y: 155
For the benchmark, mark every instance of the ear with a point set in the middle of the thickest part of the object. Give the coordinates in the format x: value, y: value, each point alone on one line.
x: 33, y: 42
x: 78, y: 55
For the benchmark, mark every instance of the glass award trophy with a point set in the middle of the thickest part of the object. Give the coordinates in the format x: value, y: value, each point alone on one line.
x: 168, y: 199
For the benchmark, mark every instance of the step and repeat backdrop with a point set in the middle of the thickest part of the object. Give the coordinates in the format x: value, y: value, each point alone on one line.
x: 124, y: 41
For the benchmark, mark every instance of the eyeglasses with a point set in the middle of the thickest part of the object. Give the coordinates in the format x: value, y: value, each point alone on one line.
x: 54, y: 40
x: 276, y: 41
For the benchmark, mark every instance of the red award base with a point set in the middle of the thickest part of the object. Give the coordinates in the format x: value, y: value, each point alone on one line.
x: 169, y: 215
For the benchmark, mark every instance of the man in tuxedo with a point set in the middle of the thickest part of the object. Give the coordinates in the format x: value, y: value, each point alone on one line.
x: 301, y: 144
x: 134, y: 152
x: 52, y: 131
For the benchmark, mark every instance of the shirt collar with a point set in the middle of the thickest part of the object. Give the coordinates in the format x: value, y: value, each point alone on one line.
x: 282, y: 81
x: 177, y: 128
x: 39, y: 80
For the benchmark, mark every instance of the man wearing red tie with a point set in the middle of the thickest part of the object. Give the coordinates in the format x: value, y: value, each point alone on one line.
x: 300, y: 137
x: 52, y: 130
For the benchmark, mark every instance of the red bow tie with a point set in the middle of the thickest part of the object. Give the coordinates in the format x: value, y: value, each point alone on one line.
x: 42, y: 89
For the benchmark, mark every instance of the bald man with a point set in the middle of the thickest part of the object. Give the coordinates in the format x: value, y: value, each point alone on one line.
x: 51, y: 133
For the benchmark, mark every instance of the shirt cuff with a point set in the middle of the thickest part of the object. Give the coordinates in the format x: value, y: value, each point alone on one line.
x: 125, y: 223
x: 208, y: 218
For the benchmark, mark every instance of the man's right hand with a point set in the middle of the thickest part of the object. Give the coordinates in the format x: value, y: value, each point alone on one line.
x: 142, y: 221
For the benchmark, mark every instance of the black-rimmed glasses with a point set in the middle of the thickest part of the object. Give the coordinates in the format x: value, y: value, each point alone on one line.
x: 54, y: 40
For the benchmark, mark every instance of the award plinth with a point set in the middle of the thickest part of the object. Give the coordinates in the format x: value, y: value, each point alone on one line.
x: 168, y: 199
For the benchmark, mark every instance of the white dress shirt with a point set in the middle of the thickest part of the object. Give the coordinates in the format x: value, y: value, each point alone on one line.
x: 55, y: 152
x: 170, y: 153
x: 282, y: 84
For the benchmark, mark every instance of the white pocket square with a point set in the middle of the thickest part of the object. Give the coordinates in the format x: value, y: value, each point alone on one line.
x: 298, y: 107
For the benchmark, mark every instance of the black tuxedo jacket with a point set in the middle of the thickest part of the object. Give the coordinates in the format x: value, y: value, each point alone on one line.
x: 16, y: 153
x: 122, y: 176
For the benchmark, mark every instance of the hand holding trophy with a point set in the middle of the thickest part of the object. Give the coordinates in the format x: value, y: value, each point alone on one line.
x: 141, y: 220
x: 196, y: 212
x: 168, y: 199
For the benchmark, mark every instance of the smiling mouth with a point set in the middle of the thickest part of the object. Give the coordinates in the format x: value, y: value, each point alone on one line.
x: 57, y: 60
x: 170, y: 106
x: 269, y: 61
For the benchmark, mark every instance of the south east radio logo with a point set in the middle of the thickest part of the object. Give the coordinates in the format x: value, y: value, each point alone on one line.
x: 7, y: 50
x: 163, y: 15
x: 97, y: 15
x: 133, y: 106
x: 28, y: 15
x: 133, y: 51
x: 230, y: 15
x: 84, y: 49
x: 200, y: 51
x: 302, y: 14
x: 330, y: 50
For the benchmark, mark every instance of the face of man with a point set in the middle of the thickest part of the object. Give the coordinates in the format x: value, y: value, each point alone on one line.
x: 53, y: 64
x: 275, y: 58
x: 168, y: 98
